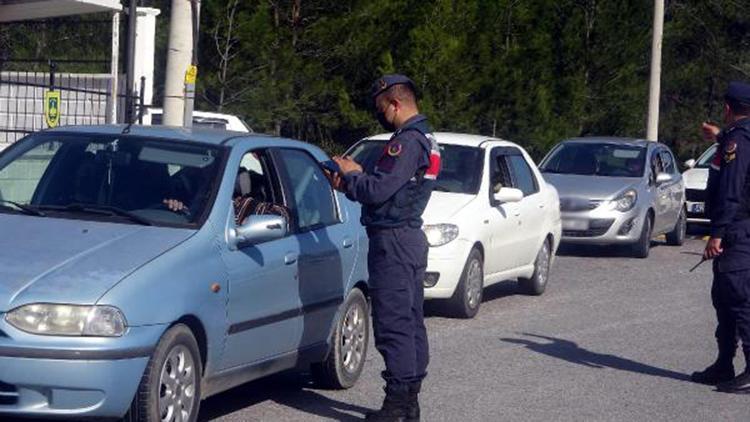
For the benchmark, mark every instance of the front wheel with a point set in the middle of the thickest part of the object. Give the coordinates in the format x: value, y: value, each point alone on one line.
x: 170, y: 390
x: 343, y: 365
x: 468, y: 295
x: 642, y: 248
x: 677, y: 236
x: 538, y: 282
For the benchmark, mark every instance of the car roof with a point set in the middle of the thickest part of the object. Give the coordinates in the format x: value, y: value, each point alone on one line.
x: 614, y: 140
x: 451, y: 138
x: 204, y: 135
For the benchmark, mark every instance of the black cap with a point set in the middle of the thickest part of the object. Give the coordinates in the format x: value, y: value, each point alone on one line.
x: 739, y: 91
x: 388, y: 81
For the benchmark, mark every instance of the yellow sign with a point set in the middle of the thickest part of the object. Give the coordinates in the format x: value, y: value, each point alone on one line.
x: 52, y: 108
x: 191, y: 74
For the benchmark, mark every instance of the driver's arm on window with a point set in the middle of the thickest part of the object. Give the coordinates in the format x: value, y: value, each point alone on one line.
x: 174, y: 205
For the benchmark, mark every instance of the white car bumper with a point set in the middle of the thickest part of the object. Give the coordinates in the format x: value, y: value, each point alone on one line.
x: 447, y: 264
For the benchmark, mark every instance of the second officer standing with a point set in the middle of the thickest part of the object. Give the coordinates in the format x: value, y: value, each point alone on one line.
x: 394, y: 194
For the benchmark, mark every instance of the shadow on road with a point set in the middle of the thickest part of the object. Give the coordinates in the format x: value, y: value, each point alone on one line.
x: 597, y: 251
x: 288, y: 389
x: 573, y: 353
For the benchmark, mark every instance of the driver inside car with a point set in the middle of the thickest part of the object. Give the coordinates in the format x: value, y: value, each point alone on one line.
x: 242, y: 200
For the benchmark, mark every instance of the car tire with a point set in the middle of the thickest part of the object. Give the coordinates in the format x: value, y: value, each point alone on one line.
x: 642, y: 248
x: 677, y: 236
x: 175, y: 364
x: 467, y: 298
x: 346, y: 358
x: 536, y: 285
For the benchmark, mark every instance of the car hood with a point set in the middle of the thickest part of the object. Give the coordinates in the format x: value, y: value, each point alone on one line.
x: 444, y: 205
x: 696, y: 179
x: 72, y: 261
x: 592, y: 187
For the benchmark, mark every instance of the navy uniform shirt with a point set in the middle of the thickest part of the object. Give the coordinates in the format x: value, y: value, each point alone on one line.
x: 382, y: 189
x: 729, y: 187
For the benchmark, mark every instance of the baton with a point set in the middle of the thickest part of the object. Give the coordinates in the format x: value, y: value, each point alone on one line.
x: 698, y: 264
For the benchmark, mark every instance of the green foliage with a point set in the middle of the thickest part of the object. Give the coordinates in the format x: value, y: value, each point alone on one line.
x: 534, y: 72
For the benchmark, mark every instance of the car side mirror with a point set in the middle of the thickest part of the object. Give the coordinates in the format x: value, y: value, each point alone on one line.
x: 662, y: 178
x: 505, y: 195
x: 258, y: 229
x: 690, y: 163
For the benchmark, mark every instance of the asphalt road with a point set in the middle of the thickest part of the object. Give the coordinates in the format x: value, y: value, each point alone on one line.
x: 613, y: 339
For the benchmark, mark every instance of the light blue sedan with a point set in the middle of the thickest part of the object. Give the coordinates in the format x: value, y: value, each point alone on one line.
x: 128, y: 288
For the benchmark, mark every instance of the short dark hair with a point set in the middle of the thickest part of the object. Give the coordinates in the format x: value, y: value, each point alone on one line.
x: 401, y: 92
x: 738, y: 108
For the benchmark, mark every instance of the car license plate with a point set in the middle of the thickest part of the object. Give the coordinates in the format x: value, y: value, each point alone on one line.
x: 698, y: 208
x: 577, y: 225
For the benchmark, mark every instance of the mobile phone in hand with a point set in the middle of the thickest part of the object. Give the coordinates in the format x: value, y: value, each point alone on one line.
x: 331, y: 166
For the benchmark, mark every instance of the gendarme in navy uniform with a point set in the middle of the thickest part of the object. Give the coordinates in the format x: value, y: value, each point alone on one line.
x: 728, y: 206
x: 394, y: 194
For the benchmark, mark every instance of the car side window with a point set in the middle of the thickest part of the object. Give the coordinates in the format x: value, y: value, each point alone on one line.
x: 254, y: 193
x: 668, y: 162
x: 656, y: 165
x: 499, y: 172
x: 310, y: 195
x: 523, y: 177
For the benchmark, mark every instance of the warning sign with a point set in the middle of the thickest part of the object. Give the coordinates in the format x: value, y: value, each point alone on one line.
x: 52, y: 108
x: 191, y: 74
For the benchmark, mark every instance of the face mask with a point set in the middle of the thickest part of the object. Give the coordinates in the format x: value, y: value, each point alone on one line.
x: 390, y: 127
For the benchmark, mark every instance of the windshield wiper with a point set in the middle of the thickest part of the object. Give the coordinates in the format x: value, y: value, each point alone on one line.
x: 23, y: 208
x: 100, y: 209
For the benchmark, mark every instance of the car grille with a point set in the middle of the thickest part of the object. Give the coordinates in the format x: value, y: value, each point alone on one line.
x: 577, y: 205
x: 695, y: 195
x: 8, y: 394
x: 597, y: 228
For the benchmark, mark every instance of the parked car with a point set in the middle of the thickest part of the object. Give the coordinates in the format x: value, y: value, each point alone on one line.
x: 201, y: 119
x: 617, y: 191
x: 491, y: 218
x: 696, y: 179
x: 113, y: 303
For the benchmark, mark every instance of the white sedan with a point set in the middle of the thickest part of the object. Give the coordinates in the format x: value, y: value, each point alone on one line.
x: 491, y: 218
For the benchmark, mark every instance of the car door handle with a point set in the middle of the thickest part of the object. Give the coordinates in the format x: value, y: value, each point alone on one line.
x: 347, y: 243
x: 290, y: 258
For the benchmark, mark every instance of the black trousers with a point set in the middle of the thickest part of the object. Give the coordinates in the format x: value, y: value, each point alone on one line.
x: 397, y: 261
x: 730, y: 294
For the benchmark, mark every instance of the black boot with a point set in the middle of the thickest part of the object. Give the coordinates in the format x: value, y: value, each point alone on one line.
x: 739, y: 385
x: 413, y: 411
x: 715, y: 374
x: 395, y: 406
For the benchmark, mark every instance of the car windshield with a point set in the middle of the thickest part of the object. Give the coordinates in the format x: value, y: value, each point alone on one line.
x: 110, y: 178
x: 596, y: 159
x: 704, y: 161
x: 461, y: 166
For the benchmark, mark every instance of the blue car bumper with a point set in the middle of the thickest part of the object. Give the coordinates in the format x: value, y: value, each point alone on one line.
x: 72, y: 377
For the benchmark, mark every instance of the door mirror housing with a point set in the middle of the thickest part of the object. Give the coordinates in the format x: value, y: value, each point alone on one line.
x: 506, y: 195
x: 690, y: 163
x: 662, y: 178
x: 258, y: 229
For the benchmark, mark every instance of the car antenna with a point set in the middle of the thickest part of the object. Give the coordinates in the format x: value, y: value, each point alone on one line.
x: 138, y: 116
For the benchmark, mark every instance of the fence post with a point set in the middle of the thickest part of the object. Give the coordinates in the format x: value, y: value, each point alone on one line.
x: 140, y: 100
x: 52, y: 67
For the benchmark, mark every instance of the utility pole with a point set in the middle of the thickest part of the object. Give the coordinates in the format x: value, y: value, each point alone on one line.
x: 179, y: 58
x: 654, y: 90
x: 130, y: 77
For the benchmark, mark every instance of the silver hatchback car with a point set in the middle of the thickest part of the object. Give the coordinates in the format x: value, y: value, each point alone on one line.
x: 617, y: 191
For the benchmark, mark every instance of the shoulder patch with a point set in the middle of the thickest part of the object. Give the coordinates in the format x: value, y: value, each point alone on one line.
x: 731, y: 147
x: 395, y: 148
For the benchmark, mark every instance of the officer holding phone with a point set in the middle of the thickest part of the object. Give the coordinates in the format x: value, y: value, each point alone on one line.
x: 394, y: 194
x: 728, y: 205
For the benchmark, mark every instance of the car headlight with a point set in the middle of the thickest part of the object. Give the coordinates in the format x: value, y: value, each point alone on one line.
x: 625, y: 202
x: 440, y: 234
x: 68, y: 320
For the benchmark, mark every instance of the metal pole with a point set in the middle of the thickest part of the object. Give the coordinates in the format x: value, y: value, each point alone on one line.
x: 187, y: 119
x: 655, y: 84
x: 130, y: 84
x: 179, y: 54
x: 115, y: 67
x: 141, y: 94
